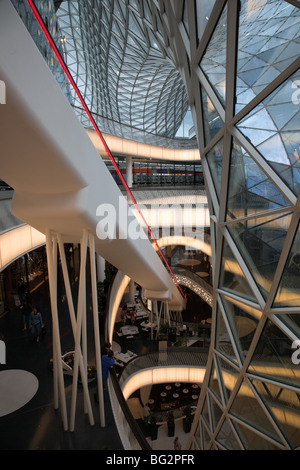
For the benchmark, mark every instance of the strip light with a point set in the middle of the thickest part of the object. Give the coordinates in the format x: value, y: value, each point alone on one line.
x: 65, y: 68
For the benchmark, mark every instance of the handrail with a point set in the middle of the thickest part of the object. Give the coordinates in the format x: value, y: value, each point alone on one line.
x: 127, y: 413
x: 116, y: 386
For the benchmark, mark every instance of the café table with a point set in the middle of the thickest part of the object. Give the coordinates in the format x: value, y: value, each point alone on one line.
x: 129, y: 330
x: 202, y: 274
x: 125, y: 357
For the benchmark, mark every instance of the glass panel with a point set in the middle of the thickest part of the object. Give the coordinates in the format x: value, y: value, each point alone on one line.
x: 214, y: 159
x: 185, y: 18
x: 288, y: 294
x: 274, y: 129
x: 232, y: 278
x: 206, y: 436
x: 229, y: 377
x: 226, y: 437
x: 203, y: 11
x: 214, y: 383
x: 205, y: 413
x: 292, y: 321
x: 216, y: 412
x: 273, y: 357
x: 260, y: 241
x: 268, y: 42
x: 251, y: 440
x: 284, y: 405
x: 212, y: 120
x: 213, y: 62
x: 243, y: 321
x: 248, y: 409
x: 223, y: 341
x: 250, y: 190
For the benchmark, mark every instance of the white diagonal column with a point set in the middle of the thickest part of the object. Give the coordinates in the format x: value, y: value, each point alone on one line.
x: 59, y: 389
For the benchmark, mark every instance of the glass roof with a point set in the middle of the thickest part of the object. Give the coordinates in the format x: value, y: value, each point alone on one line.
x: 124, y: 74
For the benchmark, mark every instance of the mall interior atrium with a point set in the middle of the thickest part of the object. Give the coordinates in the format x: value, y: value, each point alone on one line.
x: 150, y: 176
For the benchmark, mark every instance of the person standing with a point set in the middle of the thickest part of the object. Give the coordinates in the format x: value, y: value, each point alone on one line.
x: 36, y: 323
x: 107, y: 363
x: 146, y: 413
x: 105, y: 349
x: 124, y: 314
x: 177, y: 445
x: 133, y: 316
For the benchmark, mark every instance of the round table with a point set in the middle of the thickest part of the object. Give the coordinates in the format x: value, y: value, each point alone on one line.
x: 168, y: 387
x: 17, y: 387
x: 195, y: 397
x: 195, y: 386
x: 151, y: 401
x: 202, y: 274
x: 177, y: 385
x: 185, y: 390
x: 163, y: 394
x: 189, y: 262
x: 175, y: 395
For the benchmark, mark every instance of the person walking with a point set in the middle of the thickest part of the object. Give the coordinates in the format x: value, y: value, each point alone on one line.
x: 36, y: 323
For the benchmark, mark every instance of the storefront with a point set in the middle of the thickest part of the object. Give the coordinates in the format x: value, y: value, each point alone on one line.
x: 21, y: 278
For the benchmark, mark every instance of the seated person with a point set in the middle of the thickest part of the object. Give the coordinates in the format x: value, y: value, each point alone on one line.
x: 133, y: 316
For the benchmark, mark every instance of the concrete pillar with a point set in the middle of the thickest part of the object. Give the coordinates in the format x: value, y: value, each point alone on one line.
x: 129, y: 171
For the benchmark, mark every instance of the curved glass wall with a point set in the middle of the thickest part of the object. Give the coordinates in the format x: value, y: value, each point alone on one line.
x: 246, y: 108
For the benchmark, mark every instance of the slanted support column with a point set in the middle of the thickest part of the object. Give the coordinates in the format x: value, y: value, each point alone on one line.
x: 96, y: 329
x: 78, y: 332
x: 58, y: 379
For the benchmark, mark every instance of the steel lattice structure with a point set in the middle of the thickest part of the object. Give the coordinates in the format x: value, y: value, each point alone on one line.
x: 125, y: 74
x: 242, y: 74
